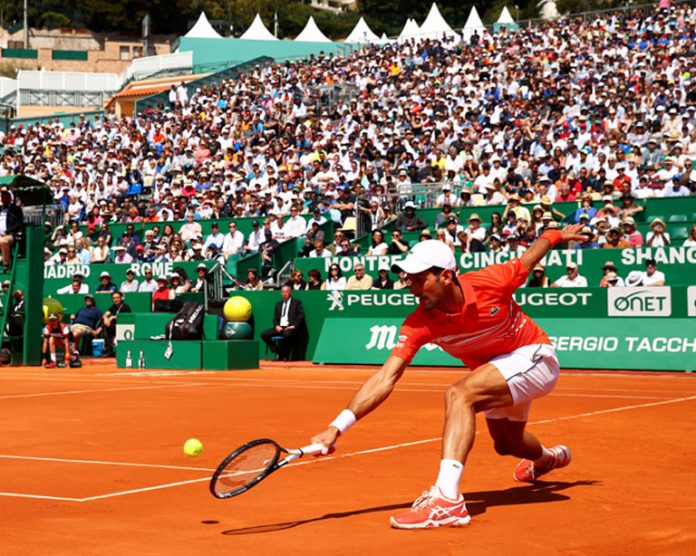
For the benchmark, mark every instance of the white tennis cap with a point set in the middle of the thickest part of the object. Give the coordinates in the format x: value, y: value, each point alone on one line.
x: 425, y: 255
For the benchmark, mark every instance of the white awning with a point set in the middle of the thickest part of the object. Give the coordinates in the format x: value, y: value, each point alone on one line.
x: 361, y: 33
x: 435, y: 26
x: 312, y: 33
x: 257, y: 31
x: 203, y: 29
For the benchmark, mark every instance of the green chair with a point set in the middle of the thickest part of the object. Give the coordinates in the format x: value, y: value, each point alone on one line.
x: 682, y: 232
x: 677, y: 218
x: 654, y: 217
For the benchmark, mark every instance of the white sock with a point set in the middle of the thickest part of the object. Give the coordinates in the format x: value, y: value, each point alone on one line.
x: 546, y: 458
x: 53, y: 357
x: 448, y: 479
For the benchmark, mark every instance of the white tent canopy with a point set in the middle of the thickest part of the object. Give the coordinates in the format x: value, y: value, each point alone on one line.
x: 361, y: 33
x: 203, y: 29
x: 505, y: 17
x: 410, y: 30
x: 257, y: 31
x: 473, y: 23
x: 312, y: 33
x: 435, y: 26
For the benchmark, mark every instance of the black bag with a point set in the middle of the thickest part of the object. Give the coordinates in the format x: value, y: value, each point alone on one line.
x: 187, y: 324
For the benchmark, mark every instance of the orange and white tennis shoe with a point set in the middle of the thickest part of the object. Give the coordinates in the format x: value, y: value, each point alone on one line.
x: 432, y: 509
x: 527, y: 472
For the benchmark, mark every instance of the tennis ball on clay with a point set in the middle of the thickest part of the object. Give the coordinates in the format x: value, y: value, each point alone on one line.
x: 193, y: 447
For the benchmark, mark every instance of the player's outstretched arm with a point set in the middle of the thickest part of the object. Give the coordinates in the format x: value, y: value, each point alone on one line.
x: 537, y: 251
x: 371, y: 394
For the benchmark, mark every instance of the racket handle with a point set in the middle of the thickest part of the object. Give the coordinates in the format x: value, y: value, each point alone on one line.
x: 313, y: 449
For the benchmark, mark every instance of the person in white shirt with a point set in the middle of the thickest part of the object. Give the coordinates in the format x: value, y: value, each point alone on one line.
x: 130, y: 284
x: 256, y: 238
x: 657, y: 236
x: 319, y: 250
x: 316, y: 217
x: 475, y: 229
x: 572, y: 279
x: 652, y: 276
x: 149, y: 284
x: 295, y: 226
x: 233, y: 241
x: 215, y: 238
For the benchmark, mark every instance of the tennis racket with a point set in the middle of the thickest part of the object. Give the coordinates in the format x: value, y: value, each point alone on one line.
x: 251, y: 463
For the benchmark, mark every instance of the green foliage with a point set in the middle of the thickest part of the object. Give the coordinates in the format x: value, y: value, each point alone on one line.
x: 53, y: 20
x: 8, y: 69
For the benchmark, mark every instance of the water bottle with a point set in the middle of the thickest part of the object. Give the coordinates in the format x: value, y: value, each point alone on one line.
x: 141, y: 360
x: 129, y: 360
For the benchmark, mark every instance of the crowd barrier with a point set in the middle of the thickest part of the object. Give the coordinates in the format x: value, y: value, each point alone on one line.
x: 593, y: 328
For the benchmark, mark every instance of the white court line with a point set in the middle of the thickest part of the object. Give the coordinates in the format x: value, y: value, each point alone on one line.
x: 102, y: 462
x: 40, y: 497
x: 99, y: 390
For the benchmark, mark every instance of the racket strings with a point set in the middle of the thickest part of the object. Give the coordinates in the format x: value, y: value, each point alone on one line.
x: 246, y: 467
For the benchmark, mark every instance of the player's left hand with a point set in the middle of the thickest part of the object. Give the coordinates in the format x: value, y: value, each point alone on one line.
x: 572, y: 233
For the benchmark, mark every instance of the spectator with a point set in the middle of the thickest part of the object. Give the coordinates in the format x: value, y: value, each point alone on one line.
x: 130, y: 284
x: 403, y: 283
x: 631, y: 235
x: 122, y: 256
x: 538, y: 278
x: 572, y: 279
x: 105, y: 283
x: 652, y: 276
x: 148, y: 285
x: 691, y: 240
x: 383, y: 282
x: 109, y: 320
x: 634, y: 279
x: 397, y: 245
x: 215, y: 238
x: 233, y: 242
x: 162, y: 296
x: 614, y: 239
x: 475, y: 230
x: 11, y: 225
x: 87, y: 321
x: 178, y: 284
x: 253, y: 282
x: 468, y: 243
x: 378, y: 247
x: 191, y: 230
x: 201, y: 282
x: 608, y: 269
x: 314, y: 281
x: 100, y: 252
x: 297, y: 280
x: 336, y: 280
x: 613, y: 280
x: 409, y: 221
x: 589, y: 242
x: 77, y: 286
x: 360, y: 280
x: 288, y: 324
x: 657, y: 236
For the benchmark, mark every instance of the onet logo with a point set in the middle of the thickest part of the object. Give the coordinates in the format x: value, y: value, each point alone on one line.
x: 644, y: 302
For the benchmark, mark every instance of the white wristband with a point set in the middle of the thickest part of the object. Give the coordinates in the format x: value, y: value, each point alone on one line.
x: 344, y: 421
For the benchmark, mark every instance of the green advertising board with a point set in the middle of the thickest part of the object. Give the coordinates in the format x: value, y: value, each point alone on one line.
x: 677, y: 263
x: 632, y: 343
x: 612, y: 305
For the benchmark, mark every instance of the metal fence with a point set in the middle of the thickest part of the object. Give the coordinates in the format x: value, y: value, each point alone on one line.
x: 37, y: 215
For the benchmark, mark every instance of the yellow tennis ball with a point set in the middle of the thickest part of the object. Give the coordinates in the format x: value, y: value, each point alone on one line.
x: 193, y: 447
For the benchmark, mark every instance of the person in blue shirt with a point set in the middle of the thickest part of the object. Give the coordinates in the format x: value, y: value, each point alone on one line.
x: 87, y: 320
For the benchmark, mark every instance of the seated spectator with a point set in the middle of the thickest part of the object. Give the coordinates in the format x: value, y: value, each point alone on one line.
x: 288, y: 323
x: 320, y: 249
x: 589, y: 242
x: 409, y: 221
x: 652, y: 276
x: 378, y: 247
x: 87, y: 321
x: 468, y: 243
x: 614, y: 239
x: 233, y: 242
x: 77, y: 286
x: 201, y: 281
x: 148, y: 285
x: 314, y: 281
x: 613, y: 280
x: 336, y: 280
x: 397, y: 245
x: 105, y: 283
x: 629, y: 206
x: 403, y: 283
x: 572, y: 278
x: 100, y: 251
x: 634, y: 279
x: 512, y: 245
x: 475, y: 230
x: 383, y: 282
x: 121, y: 255
x: 109, y: 320
x: 297, y: 280
x: 691, y: 240
x: 162, y: 295
x: 191, y: 230
x: 631, y: 235
x: 178, y: 283
x: 215, y: 238
x: 587, y: 209
x: 657, y: 236
x: 608, y: 269
x: 130, y: 284
x: 253, y: 283
x: 360, y: 280
x: 539, y: 278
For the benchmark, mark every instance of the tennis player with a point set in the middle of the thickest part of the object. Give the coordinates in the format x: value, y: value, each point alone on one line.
x: 474, y: 318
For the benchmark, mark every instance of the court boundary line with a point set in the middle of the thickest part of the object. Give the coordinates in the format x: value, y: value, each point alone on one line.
x: 351, y: 454
x: 98, y: 390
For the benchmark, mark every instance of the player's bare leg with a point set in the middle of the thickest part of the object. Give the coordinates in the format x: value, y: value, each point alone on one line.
x: 483, y: 389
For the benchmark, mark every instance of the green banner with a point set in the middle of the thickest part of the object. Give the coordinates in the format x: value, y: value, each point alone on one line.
x: 634, y: 344
x: 58, y: 276
x: 677, y: 263
x: 652, y: 304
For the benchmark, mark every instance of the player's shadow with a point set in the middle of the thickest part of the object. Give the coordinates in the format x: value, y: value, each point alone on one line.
x: 476, y: 503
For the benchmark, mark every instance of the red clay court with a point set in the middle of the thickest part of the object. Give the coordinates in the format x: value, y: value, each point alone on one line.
x: 92, y: 463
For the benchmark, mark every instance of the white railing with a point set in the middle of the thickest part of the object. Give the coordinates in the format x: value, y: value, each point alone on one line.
x: 142, y: 67
x: 67, y: 81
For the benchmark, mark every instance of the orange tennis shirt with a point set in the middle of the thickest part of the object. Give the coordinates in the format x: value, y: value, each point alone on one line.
x: 491, y: 322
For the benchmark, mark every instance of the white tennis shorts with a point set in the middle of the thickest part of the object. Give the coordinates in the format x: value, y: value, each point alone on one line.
x: 531, y: 372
